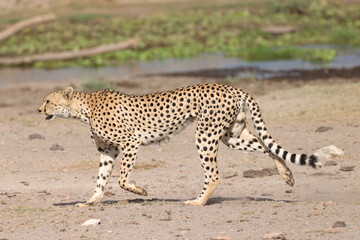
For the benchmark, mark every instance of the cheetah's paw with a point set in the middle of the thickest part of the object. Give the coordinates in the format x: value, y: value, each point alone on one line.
x: 194, y: 202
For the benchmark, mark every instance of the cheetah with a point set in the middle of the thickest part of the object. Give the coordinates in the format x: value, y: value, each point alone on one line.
x: 121, y: 123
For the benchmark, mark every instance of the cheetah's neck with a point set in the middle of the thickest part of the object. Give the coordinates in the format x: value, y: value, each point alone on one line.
x: 80, y: 107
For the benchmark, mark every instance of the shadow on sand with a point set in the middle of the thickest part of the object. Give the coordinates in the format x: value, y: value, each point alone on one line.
x: 211, y: 201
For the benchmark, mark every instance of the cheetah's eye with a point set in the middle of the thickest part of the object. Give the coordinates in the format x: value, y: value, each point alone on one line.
x: 47, y: 101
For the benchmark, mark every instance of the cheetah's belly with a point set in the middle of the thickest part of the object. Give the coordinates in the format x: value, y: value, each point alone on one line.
x: 152, y: 135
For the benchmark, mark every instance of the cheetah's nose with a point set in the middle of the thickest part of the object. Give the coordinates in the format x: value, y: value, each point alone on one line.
x: 39, y: 110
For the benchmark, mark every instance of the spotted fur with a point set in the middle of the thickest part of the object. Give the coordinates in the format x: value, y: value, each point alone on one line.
x: 125, y: 122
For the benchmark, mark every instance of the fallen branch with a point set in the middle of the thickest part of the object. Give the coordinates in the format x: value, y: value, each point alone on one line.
x: 25, y: 23
x: 67, y: 55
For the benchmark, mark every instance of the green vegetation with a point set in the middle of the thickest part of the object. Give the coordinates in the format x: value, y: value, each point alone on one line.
x: 233, y: 29
x: 96, y: 84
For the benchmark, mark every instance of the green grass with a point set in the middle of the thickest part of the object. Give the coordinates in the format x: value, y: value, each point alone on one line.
x: 265, y: 53
x: 234, y: 30
x: 96, y: 84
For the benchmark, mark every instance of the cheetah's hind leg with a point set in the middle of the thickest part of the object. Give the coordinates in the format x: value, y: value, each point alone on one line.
x: 129, y: 155
x: 240, y: 138
x: 207, y: 143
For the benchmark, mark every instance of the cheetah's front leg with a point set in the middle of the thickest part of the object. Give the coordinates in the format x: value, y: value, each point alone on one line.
x: 107, y: 158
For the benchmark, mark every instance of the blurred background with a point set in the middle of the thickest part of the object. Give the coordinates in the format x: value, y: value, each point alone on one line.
x: 223, y: 40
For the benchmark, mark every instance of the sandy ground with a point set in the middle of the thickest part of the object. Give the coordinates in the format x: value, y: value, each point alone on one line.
x: 39, y: 187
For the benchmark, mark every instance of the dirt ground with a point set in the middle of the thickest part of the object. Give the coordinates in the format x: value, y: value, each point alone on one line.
x: 40, y: 187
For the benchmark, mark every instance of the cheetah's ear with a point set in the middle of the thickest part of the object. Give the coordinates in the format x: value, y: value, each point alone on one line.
x: 68, y: 93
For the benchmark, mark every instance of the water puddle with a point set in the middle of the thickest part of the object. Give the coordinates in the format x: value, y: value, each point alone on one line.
x: 207, y: 65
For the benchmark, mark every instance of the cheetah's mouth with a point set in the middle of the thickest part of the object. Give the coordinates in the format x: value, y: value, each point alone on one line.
x: 49, y: 117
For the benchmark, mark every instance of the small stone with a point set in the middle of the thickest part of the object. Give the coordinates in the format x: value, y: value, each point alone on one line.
x: 347, y: 168
x: 289, y: 191
x: 230, y: 175
x: 259, y: 173
x: 266, y: 194
x: 330, y: 163
x: 323, y: 129
x: 222, y: 237
x: 146, y: 215
x: 44, y: 192
x: 319, y: 174
x: 329, y: 152
x: 329, y: 203
x: 92, y: 222
x: 35, y: 136
x: 56, y: 147
x: 277, y: 236
x: 62, y: 230
x: 25, y: 183
x: 339, y: 224
x: 10, y: 195
x: 109, y: 194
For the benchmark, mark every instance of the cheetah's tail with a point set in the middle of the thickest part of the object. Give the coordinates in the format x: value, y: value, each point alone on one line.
x: 259, y: 125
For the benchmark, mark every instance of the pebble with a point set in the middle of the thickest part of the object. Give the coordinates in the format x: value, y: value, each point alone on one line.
x: 329, y: 152
x: 275, y: 236
x: 92, y: 222
x: 230, y: 175
x: 329, y: 203
x: 330, y: 163
x: 25, y: 183
x: 10, y: 195
x: 339, y: 224
x: 264, y: 194
x: 259, y: 173
x: 323, y: 129
x: 35, y: 136
x: 347, y: 168
x: 56, y: 147
x: 109, y: 194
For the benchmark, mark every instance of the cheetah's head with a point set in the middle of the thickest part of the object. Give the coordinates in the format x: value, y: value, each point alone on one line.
x: 57, y: 104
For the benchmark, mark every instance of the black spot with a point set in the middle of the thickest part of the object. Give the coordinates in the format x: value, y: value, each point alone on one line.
x: 284, y: 155
x: 293, y: 156
x: 303, y: 159
x: 312, y: 160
